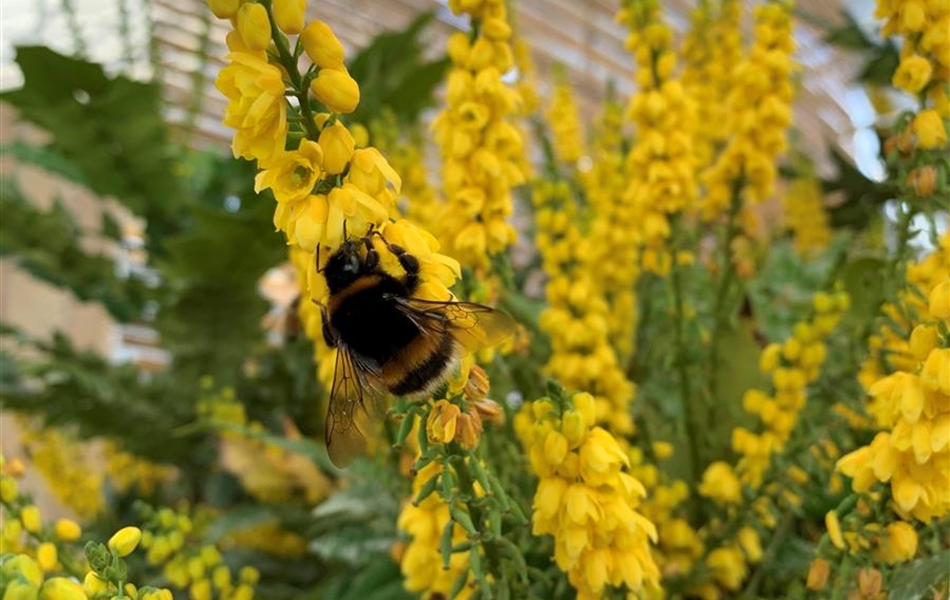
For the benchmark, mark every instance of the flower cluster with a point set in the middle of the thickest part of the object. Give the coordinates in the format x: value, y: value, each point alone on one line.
x: 924, y: 67
x: 482, y: 152
x: 912, y: 405
x: 43, y: 560
x: 170, y: 541
x: 586, y: 498
x: 805, y: 215
x: 323, y: 183
x: 576, y: 316
x: 62, y: 460
x: 713, y: 45
x: 567, y: 135
x: 792, y: 366
x: 615, y: 259
x: 127, y: 471
x: 661, y: 165
x: 759, y: 106
x: 425, y: 520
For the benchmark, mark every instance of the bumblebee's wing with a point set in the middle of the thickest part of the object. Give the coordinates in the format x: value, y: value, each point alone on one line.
x: 475, y: 326
x: 350, y: 394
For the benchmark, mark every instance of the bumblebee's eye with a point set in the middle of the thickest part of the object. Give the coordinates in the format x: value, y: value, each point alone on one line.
x: 352, y: 264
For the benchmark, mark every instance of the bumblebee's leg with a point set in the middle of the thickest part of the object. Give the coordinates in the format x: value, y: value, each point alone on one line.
x: 372, y: 257
x: 329, y: 333
x: 408, y: 262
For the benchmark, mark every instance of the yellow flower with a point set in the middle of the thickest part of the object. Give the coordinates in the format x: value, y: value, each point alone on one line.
x: 587, y: 501
x: 32, y: 521
x: 728, y: 567
x: 291, y: 176
x: 443, y: 418
x: 913, y: 74
x: 93, y: 585
x: 256, y: 109
x: 338, y: 147
x: 224, y: 9
x: 818, y: 574
x: 47, y: 556
x: 930, y: 129
x: 834, y: 529
x: 289, y: 15
x: 60, y: 588
x: 721, y: 484
x: 253, y: 25
x: 125, y: 540
x: 24, y: 566
x: 939, y: 301
x: 322, y: 46
x: 899, y: 544
x: 67, y: 530
x: 336, y: 90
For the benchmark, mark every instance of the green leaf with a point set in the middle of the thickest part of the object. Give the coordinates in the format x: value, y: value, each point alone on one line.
x: 48, y: 244
x: 921, y: 578
x: 863, y: 197
x: 105, y: 132
x: 392, y: 74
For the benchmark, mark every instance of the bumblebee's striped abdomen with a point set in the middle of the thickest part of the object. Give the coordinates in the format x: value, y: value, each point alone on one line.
x: 420, y: 365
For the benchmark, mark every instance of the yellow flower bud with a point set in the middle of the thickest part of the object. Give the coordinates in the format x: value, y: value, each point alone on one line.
x: 869, y: 582
x: 769, y: 359
x: 338, y: 147
x: 900, y: 545
x: 253, y: 25
x: 440, y: 426
x: 940, y: 301
x: 585, y: 405
x: 224, y: 9
x: 930, y: 130
x: 573, y: 428
x: 67, y: 530
x: 8, y: 488
x: 913, y: 74
x: 834, y: 529
x: 322, y: 45
x: 249, y: 575
x: 468, y: 429
x: 60, y: 588
x: 336, y: 90
x: 24, y: 566
x: 555, y: 448
x: 721, y: 484
x: 47, y: 556
x: 200, y: 590
x: 93, y: 585
x: 30, y: 516
x: 21, y: 590
x: 818, y: 574
x: 125, y: 540
x: 289, y: 15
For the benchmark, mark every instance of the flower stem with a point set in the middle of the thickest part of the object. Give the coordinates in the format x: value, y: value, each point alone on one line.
x: 682, y: 361
x: 289, y: 61
x: 726, y: 276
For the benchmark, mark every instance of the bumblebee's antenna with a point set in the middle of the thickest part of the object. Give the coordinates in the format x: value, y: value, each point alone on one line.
x: 319, y: 270
x: 344, y: 230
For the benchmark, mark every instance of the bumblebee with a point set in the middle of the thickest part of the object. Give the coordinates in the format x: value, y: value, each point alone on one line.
x: 389, y: 341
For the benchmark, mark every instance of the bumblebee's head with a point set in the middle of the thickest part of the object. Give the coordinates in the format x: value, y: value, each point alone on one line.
x: 345, y: 266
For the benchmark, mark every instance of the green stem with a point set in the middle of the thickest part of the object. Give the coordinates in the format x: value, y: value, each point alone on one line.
x: 726, y: 277
x: 289, y: 62
x: 768, y: 557
x: 693, y: 428
x: 467, y: 487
